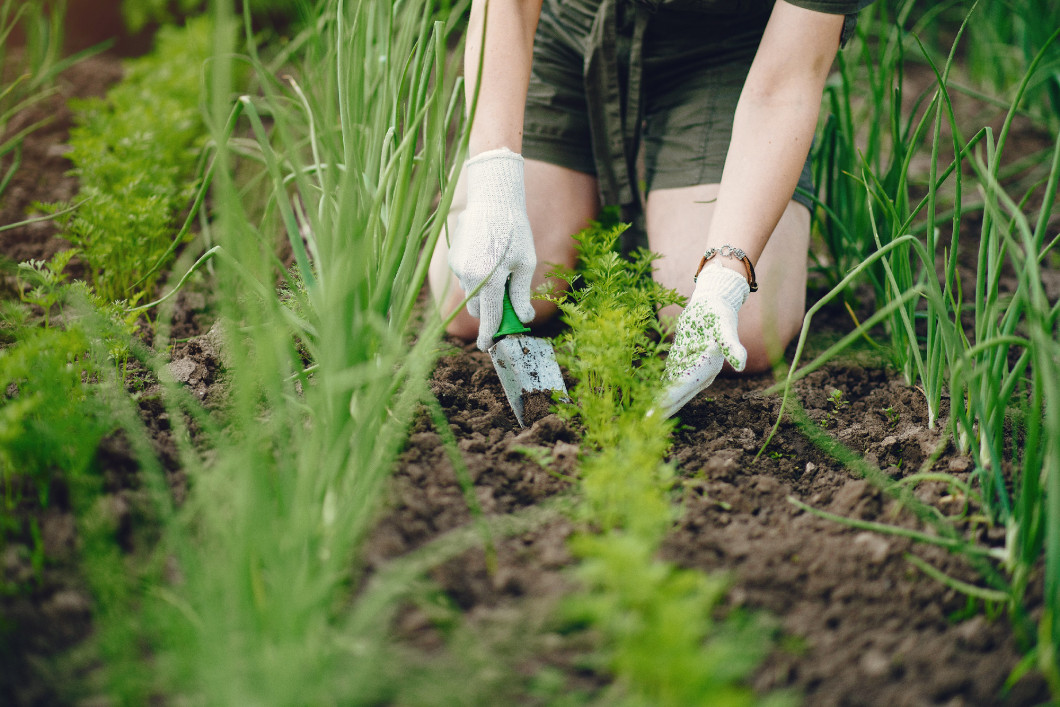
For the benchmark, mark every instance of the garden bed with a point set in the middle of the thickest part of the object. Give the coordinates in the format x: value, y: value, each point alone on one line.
x: 855, y: 622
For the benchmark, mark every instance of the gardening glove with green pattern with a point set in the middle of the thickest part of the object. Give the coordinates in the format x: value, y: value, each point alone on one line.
x: 706, y: 336
x: 493, y: 240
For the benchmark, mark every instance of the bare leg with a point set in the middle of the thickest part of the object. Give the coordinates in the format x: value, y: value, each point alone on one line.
x: 559, y: 203
x: 678, y: 221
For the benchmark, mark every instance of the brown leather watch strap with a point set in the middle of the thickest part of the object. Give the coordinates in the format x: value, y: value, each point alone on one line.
x: 727, y: 251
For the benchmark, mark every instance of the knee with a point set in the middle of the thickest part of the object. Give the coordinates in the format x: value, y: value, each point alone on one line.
x: 766, y: 345
x: 463, y: 326
x: 759, y: 360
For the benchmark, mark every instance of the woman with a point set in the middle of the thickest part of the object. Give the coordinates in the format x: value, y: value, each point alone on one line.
x: 724, y: 97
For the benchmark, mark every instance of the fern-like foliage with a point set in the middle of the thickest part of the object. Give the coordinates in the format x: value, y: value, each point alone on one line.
x: 135, y: 152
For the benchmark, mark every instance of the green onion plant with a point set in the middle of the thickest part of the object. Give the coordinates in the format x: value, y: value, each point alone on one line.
x: 1004, y: 39
x: 346, y: 140
x: 863, y: 166
x: 999, y: 374
x: 28, y: 76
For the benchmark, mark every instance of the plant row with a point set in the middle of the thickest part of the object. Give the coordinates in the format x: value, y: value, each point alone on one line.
x: 663, y: 638
x: 981, y: 346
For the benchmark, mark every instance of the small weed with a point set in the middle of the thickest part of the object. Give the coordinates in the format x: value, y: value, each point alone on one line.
x: 838, y: 403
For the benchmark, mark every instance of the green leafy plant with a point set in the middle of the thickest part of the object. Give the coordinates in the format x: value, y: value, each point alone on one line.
x: 136, y: 152
x: 838, y: 403
x: 48, y: 421
x: 662, y: 641
x: 40, y: 282
x: 614, y: 344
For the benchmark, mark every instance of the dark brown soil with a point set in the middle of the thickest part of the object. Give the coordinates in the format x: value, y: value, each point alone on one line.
x: 43, y: 175
x: 536, y: 404
x: 859, y: 624
x: 868, y: 627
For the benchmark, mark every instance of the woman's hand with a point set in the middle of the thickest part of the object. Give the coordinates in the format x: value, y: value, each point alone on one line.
x: 706, y: 336
x: 493, y: 240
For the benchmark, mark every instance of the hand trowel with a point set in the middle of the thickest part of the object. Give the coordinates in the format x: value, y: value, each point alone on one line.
x: 525, y: 364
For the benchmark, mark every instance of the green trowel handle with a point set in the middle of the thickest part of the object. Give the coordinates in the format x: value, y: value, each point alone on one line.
x: 510, y: 323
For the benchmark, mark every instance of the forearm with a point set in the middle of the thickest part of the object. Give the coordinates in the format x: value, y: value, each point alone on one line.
x: 773, y: 127
x: 770, y: 140
x: 505, y: 71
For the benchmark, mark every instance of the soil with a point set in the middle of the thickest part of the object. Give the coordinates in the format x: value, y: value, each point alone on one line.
x: 43, y: 175
x: 857, y: 623
x: 536, y: 404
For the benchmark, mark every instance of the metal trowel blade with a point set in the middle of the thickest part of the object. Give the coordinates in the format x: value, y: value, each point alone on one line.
x: 526, y: 364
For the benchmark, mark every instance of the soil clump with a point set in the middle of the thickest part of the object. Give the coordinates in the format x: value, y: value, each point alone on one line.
x: 536, y: 404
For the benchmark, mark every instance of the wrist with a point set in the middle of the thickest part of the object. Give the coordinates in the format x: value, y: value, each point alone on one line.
x: 497, y: 154
x: 735, y: 265
x: 718, y: 282
x: 496, y: 174
x: 732, y: 258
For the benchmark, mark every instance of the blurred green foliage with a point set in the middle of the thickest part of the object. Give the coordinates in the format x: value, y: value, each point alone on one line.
x: 135, y: 152
x: 27, y: 75
x: 48, y: 422
x: 1002, y: 38
x: 140, y: 13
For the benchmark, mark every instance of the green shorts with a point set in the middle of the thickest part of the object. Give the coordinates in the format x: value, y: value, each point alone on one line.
x: 644, y: 104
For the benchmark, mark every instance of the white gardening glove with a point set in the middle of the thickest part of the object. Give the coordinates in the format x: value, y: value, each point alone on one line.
x: 706, y: 336
x: 493, y: 241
